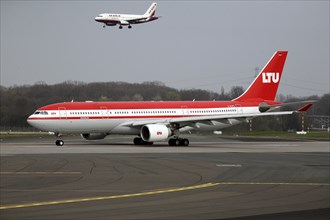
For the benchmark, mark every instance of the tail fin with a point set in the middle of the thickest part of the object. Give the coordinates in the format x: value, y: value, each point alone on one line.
x: 151, y: 10
x: 264, y: 86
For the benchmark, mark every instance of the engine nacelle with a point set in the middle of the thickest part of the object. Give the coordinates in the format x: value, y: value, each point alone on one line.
x: 93, y: 136
x: 124, y: 22
x: 155, y: 132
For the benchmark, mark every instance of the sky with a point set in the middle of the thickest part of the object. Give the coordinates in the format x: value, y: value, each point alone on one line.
x: 194, y: 45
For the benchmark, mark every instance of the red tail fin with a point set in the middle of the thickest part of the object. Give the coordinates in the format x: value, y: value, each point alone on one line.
x: 264, y: 87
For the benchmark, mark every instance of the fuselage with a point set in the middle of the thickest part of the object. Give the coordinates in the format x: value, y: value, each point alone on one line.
x: 110, y: 117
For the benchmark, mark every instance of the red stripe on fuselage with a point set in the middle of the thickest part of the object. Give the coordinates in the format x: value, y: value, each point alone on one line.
x: 150, y: 105
x: 110, y: 117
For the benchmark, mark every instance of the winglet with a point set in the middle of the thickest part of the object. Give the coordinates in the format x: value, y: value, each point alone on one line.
x: 305, y: 108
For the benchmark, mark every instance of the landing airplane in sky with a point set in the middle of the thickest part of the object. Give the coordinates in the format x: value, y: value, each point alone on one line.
x: 158, y: 121
x: 127, y: 19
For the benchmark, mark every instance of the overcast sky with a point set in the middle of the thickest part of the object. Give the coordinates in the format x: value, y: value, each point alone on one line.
x: 195, y: 44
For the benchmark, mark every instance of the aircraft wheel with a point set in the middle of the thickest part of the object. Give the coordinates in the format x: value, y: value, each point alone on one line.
x: 178, y: 142
x: 137, y: 141
x: 120, y: 27
x: 184, y: 142
x: 59, y: 143
x: 130, y: 27
x: 174, y: 142
x: 171, y: 142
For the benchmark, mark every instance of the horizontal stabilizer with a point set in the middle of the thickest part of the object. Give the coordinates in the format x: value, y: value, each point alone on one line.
x: 305, y: 108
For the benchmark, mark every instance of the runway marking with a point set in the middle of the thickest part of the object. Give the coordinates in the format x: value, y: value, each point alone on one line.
x: 37, y: 173
x: 270, y: 183
x: 206, y: 185
x: 110, y: 197
x: 228, y: 165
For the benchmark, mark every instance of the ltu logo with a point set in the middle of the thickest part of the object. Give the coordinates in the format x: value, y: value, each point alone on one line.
x: 270, y: 77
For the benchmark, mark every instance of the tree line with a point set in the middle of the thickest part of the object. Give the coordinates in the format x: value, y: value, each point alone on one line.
x: 18, y: 102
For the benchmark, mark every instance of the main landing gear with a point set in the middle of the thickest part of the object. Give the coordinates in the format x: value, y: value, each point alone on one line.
x: 171, y: 142
x: 140, y: 141
x: 121, y: 27
x: 178, y: 142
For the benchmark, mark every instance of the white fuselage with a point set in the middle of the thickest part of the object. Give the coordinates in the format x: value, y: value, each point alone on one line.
x: 114, y: 121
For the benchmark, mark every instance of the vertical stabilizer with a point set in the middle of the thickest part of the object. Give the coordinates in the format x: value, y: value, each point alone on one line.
x: 151, y: 10
x: 265, y: 85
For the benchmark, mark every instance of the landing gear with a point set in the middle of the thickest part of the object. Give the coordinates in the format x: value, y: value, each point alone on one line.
x: 178, y: 142
x: 129, y: 26
x: 59, y: 143
x: 103, y: 26
x: 120, y: 27
x: 139, y: 141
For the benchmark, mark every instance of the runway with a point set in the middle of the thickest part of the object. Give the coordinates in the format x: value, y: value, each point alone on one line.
x: 214, y: 178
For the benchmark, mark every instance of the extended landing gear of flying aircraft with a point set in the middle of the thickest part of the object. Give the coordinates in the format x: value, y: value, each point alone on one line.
x: 178, y: 142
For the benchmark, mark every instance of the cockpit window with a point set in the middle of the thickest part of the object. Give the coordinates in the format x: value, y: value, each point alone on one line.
x: 41, y: 113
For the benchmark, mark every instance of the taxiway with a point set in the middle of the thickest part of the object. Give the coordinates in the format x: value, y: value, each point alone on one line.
x: 214, y: 178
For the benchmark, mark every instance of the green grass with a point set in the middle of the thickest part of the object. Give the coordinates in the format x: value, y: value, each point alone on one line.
x: 4, y: 135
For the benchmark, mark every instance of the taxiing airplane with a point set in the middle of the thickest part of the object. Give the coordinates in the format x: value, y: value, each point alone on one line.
x: 157, y: 121
x: 127, y: 19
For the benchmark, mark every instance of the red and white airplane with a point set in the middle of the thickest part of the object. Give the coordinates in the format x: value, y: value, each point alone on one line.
x: 110, y: 19
x: 157, y: 121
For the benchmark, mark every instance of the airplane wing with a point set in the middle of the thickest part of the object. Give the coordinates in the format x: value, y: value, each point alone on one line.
x: 139, y: 20
x: 210, y: 119
x: 183, y: 121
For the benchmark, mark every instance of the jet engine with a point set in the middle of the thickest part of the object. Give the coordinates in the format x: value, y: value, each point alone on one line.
x: 155, y: 132
x: 93, y: 136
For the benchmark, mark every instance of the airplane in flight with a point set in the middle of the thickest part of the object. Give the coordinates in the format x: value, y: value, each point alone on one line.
x: 110, y: 19
x: 153, y: 121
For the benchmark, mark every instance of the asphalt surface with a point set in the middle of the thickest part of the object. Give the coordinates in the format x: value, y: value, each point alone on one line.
x: 213, y: 178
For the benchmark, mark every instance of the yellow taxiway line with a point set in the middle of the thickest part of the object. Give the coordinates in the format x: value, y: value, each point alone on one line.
x: 38, y: 173
x: 171, y: 190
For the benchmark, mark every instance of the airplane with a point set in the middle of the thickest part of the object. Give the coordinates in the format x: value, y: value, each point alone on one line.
x: 127, y: 19
x: 155, y: 121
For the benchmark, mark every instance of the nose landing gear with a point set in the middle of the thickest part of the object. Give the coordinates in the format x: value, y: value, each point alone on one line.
x: 59, y: 143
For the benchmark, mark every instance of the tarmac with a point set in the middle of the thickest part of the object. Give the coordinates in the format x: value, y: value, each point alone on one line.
x: 213, y: 178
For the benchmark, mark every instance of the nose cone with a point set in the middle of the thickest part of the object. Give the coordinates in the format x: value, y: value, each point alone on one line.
x: 30, y: 121
x: 35, y: 122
